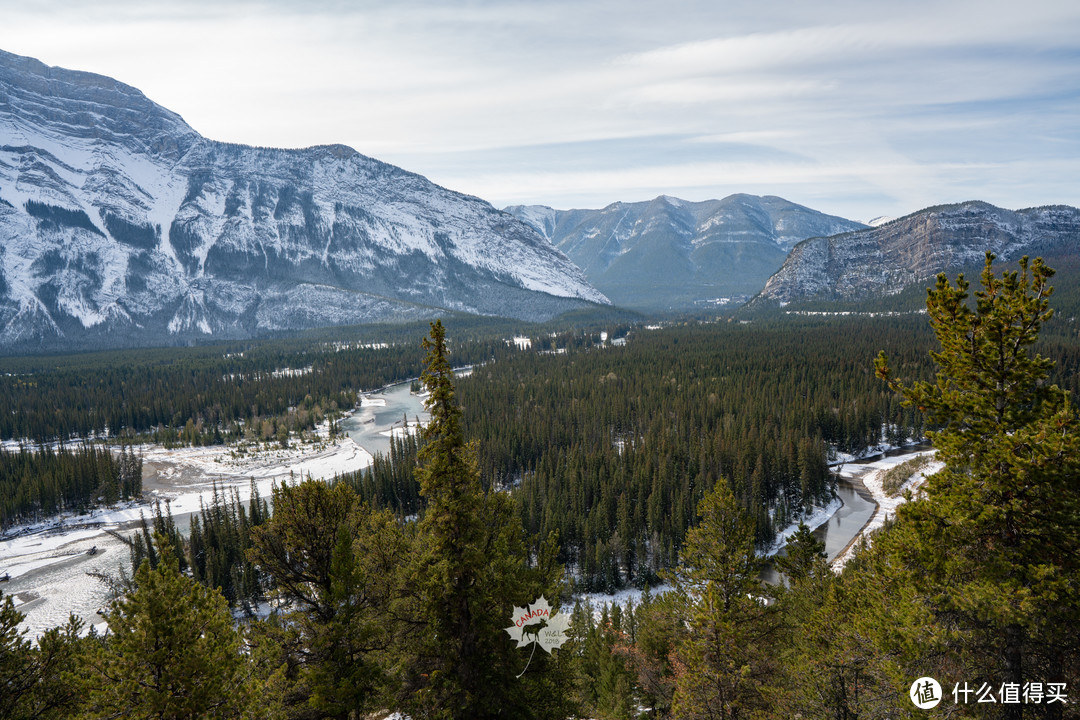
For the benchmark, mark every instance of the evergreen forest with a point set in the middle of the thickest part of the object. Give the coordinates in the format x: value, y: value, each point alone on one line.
x: 666, y: 461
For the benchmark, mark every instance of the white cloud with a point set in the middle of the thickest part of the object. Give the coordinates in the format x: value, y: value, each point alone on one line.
x: 877, y: 103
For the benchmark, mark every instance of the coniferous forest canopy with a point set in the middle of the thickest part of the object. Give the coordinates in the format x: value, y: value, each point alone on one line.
x: 579, y: 465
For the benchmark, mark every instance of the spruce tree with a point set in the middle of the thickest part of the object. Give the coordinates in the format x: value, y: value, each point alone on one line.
x: 804, y: 556
x: 172, y: 650
x: 468, y: 573
x: 994, y: 546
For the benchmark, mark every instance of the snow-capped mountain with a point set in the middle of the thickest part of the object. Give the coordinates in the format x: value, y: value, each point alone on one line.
x: 121, y: 224
x: 673, y: 254
x: 884, y: 260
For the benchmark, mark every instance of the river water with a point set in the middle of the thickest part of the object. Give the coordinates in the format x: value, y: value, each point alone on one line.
x: 846, y: 524
x: 49, y: 570
x: 384, y: 412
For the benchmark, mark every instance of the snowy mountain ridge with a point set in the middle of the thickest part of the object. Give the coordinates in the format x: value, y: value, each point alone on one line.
x: 120, y: 224
x: 669, y: 253
x: 883, y: 260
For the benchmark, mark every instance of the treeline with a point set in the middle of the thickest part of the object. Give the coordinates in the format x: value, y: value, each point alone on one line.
x: 216, y: 551
x: 613, y: 447
x: 204, y: 395
x: 45, y: 481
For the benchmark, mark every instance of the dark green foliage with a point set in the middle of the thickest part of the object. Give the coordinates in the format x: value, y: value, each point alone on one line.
x: 143, y: 548
x: 157, y: 392
x: 43, y: 482
x: 994, y: 545
x: 141, y: 236
x: 614, y: 448
x: 33, y: 676
x: 621, y: 449
x: 605, y: 677
x: 469, y: 568
x: 725, y: 658
x: 336, y: 563
x: 60, y: 217
x: 389, y: 482
x: 219, y: 542
x: 172, y: 651
x: 803, y: 556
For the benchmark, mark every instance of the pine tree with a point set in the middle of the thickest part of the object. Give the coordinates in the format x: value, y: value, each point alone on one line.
x: 724, y: 659
x: 31, y: 677
x: 333, y: 560
x: 172, y: 650
x: 996, y: 540
x: 469, y: 572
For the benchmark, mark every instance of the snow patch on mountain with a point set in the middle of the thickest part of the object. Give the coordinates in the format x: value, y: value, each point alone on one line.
x: 116, y: 217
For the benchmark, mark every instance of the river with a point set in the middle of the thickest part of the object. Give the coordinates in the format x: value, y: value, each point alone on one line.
x: 846, y: 524
x: 381, y: 413
x: 49, y: 569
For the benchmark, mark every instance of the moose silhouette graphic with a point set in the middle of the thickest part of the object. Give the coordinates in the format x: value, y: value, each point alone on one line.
x: 534, y: 629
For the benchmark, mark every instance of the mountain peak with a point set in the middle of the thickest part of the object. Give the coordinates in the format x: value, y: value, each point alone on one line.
x: 120, y: 224
x: 883, y: 260
x: 668, y: 253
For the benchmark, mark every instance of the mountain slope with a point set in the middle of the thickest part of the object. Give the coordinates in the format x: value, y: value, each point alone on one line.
x: 672, y: 254
x: 120, y: 224
x: 884, y: 260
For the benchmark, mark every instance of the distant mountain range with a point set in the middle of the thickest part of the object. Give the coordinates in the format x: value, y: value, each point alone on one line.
x: 884, y: 260
x: 670, y: 254
x: 119, y: 224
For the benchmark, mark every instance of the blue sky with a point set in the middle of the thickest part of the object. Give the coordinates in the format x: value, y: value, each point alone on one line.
x: 859, y: 109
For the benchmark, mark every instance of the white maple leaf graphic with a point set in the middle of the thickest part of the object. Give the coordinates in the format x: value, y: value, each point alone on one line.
x: 536, y: 623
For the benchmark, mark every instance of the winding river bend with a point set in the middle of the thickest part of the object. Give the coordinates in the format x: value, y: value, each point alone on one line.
x: 383, y: 411
x: 845, y: 527
x: 847, y: 524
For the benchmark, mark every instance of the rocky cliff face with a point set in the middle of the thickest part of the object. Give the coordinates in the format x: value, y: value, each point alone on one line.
x: 884, y: 260
x: 120, y: 224
x: 672, y: 254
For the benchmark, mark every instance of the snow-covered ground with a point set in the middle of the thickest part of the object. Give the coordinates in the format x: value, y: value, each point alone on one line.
x: 813, y: 518
x: 47, y: 563
x: 887, y: 504
x: 598, y: 601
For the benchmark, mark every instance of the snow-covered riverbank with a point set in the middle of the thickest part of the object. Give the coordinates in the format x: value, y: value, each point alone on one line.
x: 47, y: 563
x: 871, y: 476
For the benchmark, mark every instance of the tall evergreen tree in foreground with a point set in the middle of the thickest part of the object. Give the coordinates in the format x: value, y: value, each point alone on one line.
x: 470, y: 570
x: 994, y: 546
x: 172, y: 651
x: 725, y: 657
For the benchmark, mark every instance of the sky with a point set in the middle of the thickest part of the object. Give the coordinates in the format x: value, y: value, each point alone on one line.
x: 855, y: 108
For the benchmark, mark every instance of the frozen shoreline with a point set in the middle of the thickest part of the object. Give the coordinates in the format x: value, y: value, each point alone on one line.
x: 886, y: 504
x: 47, y: 562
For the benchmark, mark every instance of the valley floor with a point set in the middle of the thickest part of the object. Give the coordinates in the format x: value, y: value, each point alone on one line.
x: 50, y: 564
x: 47, y: 563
